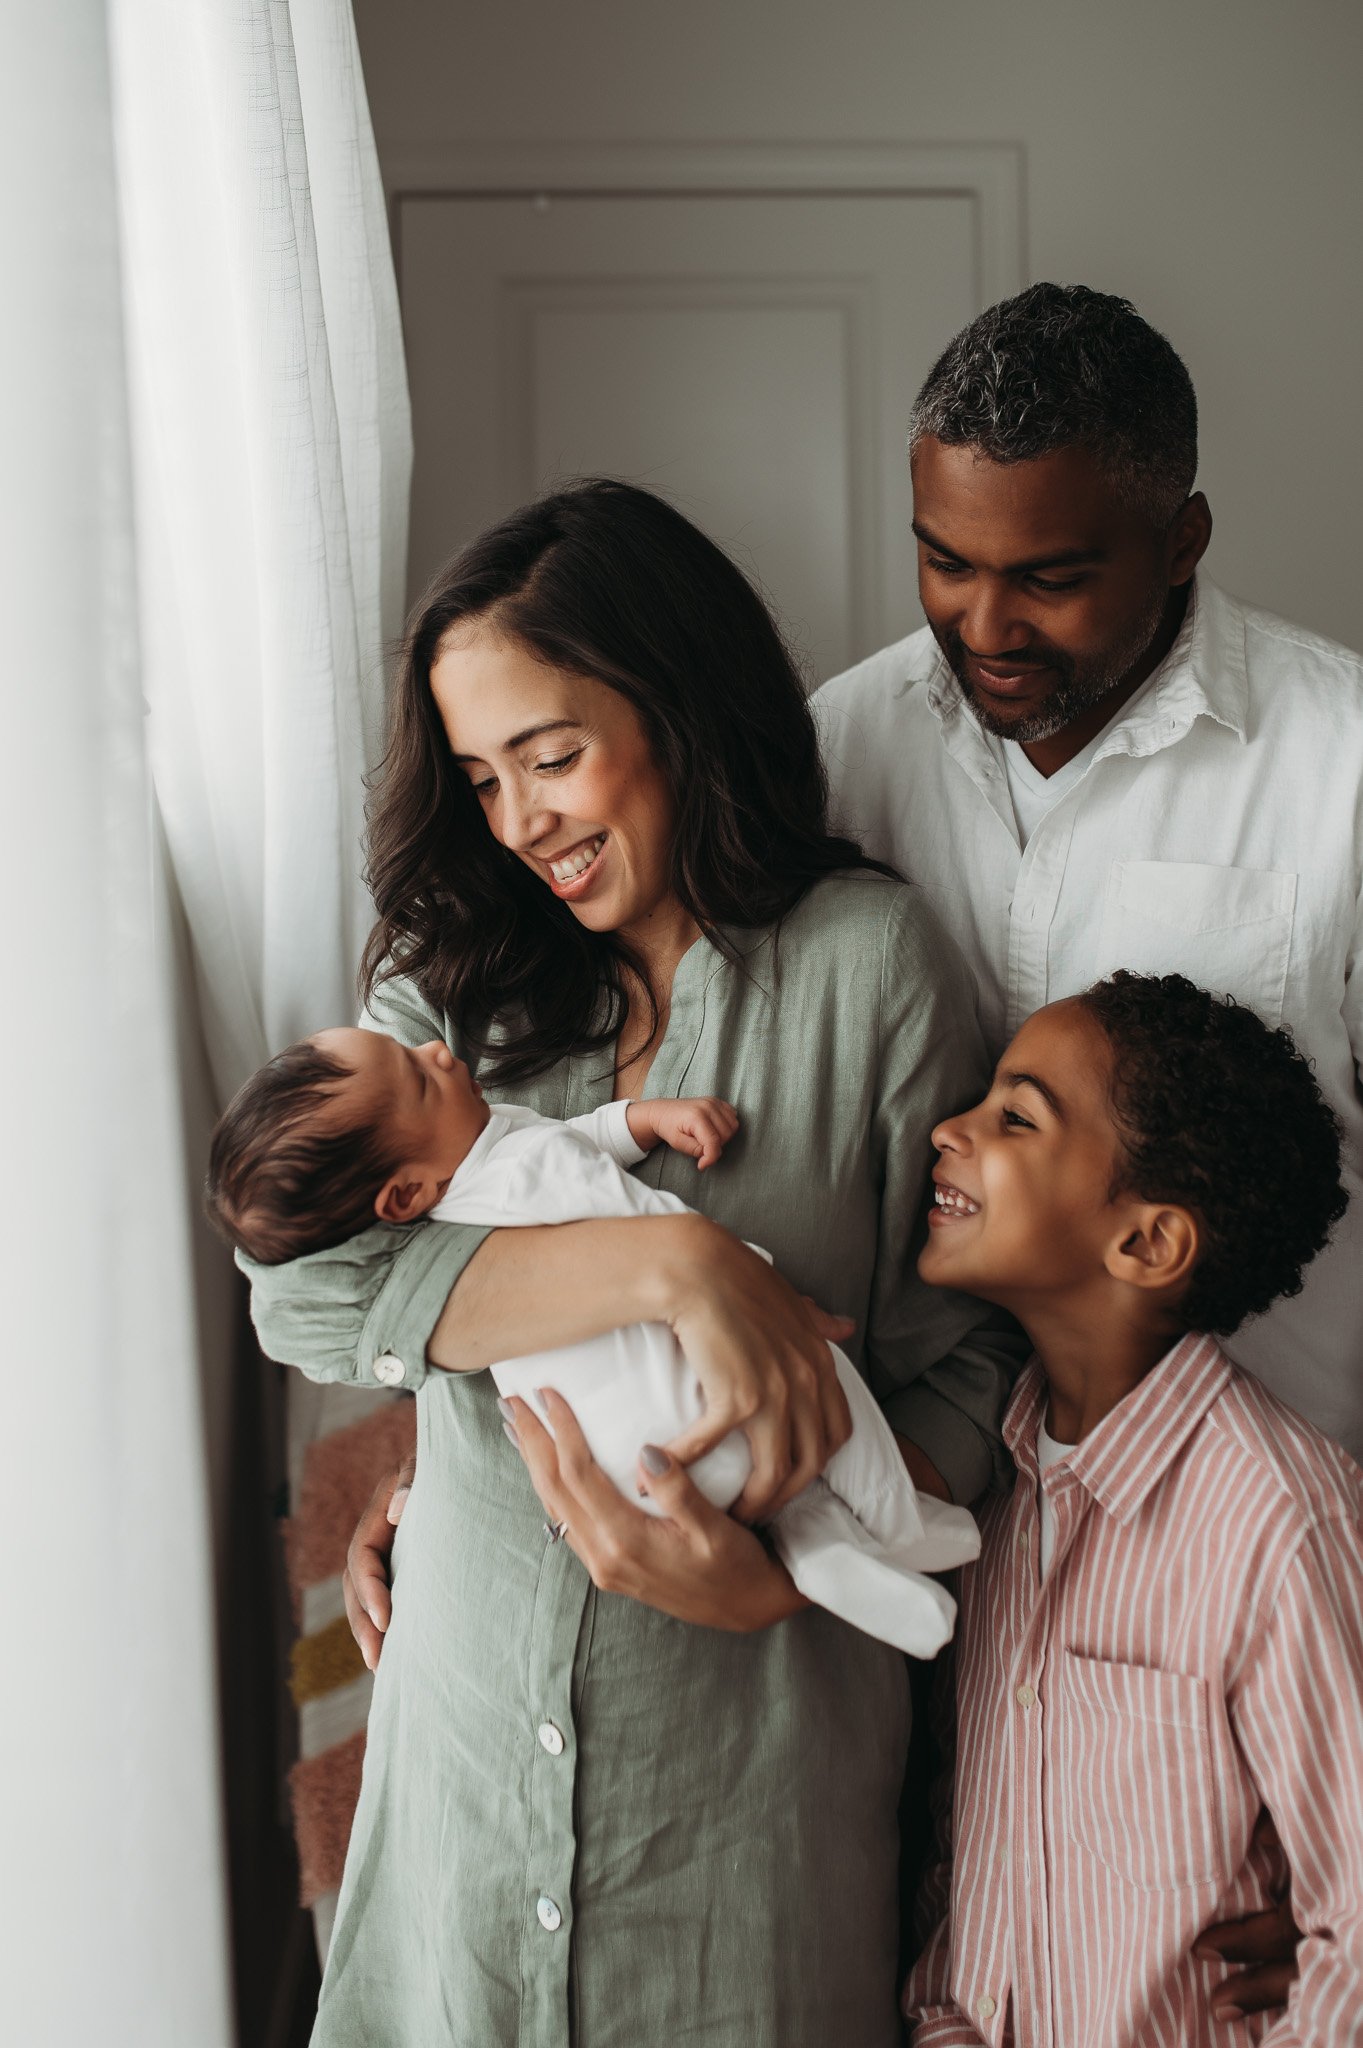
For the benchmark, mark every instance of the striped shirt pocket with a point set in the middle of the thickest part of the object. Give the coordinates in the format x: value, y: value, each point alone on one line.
x: 1136, y: 1784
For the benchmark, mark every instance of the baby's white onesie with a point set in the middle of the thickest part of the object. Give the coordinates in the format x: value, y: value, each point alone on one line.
x: 858, y: 1541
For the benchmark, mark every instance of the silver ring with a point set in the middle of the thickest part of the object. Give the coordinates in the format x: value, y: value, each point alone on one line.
x: 555, y: 1531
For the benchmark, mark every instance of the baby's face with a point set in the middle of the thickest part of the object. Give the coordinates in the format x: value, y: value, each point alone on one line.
x: 426, y: 1099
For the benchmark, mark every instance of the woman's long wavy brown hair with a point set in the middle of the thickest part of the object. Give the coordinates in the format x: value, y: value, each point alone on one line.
x: 605, y: 580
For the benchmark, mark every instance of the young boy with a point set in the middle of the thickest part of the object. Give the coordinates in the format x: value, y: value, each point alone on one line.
x: 1164, y: 1631
x: 350, y: 1127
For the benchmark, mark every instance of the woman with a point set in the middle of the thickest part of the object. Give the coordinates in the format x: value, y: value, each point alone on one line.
x: 601, y: 865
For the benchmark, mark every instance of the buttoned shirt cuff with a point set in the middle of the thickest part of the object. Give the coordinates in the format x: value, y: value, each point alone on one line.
x: 960, y: 1451
x: 943, y: 2027
x: 392, y: 1348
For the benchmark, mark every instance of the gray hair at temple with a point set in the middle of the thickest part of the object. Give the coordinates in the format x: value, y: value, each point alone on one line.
x: 1060, y: 366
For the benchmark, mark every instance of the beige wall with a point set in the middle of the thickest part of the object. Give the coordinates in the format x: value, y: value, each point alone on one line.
x: 1205, y: 157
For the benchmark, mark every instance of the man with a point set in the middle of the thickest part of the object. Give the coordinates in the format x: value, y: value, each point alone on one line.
x: 1093, y: 758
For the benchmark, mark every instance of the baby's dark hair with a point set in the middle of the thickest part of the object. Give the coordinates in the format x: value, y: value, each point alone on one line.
x: 281, y: 1181
x: 1222, y: 1116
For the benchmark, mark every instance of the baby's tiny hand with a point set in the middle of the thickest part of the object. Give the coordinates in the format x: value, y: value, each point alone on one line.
x: 700, y: 1126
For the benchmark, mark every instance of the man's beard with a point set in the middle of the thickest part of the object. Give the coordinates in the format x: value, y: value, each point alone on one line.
x: 1078, y: 684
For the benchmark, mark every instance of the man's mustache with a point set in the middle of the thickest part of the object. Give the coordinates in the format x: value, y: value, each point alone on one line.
x: 957, y: 653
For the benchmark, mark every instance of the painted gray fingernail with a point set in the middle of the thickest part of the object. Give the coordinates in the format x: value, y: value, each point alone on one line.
x: 511, y: 1435
x: 508, y: 1412
x: 653, y: 1460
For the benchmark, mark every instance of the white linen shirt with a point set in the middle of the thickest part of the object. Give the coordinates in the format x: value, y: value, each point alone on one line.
x: 1217, y: 833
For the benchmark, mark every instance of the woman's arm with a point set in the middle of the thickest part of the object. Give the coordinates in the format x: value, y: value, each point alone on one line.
x: 941, y: 1364
x: 758, y: 1348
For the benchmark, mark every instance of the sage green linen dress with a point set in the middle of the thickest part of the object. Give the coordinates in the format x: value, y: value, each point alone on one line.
x: 581, y: 1821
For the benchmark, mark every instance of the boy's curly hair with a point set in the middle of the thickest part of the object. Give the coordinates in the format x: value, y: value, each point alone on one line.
x: 281, y: 1182
x: 1222, y: 1116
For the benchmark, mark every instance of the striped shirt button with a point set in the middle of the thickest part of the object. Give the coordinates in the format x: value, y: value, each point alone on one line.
x: 1026, y: 1697
x: 548, y: 1914
x: 985, y: 2007
x: 550, y: 1738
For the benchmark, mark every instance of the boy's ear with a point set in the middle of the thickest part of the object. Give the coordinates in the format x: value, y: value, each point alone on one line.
x: 399, y: 1201
x: 1157, y: 1249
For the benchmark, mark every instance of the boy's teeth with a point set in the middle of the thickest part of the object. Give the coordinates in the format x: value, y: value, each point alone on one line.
x: 574, y: 863
x: 953, y: 1199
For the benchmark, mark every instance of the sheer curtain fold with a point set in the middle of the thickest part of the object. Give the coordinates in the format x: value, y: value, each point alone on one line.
x: 113, y: 1899
x: 270, y: 405
x: 202, y: 538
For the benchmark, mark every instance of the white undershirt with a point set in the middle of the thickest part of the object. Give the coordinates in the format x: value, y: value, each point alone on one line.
x: 1048, y: 1453
x: 1033, y: 793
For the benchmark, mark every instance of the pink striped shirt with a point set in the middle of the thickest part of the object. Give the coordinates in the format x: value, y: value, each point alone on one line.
x: 1194, y: 1652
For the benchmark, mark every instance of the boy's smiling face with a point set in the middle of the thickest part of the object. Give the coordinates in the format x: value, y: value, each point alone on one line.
x: 1024, y: 1205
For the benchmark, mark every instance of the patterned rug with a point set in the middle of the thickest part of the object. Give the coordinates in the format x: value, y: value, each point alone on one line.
x: 335, y: 1461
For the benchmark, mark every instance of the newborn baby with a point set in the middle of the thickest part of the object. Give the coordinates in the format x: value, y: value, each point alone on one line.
x: 350, y: 1127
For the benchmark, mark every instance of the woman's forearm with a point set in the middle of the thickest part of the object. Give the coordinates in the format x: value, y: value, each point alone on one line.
x: 529, y: 1290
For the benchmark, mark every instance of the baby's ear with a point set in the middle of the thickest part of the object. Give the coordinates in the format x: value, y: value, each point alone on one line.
x: 399, y: 1201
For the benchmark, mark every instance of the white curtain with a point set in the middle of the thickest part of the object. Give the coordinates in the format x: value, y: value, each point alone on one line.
x: 113, y: 1916
x: 202, y: 510
x: 273, y: 447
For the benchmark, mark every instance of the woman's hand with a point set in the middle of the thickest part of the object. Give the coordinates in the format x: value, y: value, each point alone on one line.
x: 1264, y: 1944
x: 368, y: 1600
x: 697, y: 1565
x: 760, y: 1352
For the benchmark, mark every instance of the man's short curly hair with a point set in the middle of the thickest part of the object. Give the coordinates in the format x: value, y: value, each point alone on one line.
x: 1061, y: 366
x: 1222, y: 1116
x: 282, y: 1179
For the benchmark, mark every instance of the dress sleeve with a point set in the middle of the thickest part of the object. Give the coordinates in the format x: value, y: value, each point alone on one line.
x: 940, y: 1363
x: 363, y: 1311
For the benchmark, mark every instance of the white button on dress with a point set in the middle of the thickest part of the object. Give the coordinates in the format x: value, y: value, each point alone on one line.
x: 388, y: 1369
x: 550, y: 1918
x: 550, y: 1738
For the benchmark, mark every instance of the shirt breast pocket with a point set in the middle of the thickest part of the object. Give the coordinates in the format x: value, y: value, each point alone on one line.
x: 1227, y: 929
x: 1136, y: 1788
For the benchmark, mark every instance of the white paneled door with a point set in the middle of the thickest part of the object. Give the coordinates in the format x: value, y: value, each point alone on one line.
x: 751, y: 356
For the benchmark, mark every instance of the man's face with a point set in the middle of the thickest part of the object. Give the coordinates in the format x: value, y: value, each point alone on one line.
x: 1044, y: 591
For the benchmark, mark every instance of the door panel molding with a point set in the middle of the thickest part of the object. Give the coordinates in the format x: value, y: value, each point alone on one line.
x: 990, y: 174
x: 852, y: 300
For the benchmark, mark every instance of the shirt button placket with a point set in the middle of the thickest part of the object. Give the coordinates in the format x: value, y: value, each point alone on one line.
x: 560, y: 1605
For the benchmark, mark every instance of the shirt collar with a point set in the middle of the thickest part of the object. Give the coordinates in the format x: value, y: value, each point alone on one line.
x: 1124, y: 1458
x: 1202, y: 676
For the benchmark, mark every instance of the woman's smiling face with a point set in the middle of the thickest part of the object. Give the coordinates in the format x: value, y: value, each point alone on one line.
x: 567, y: 781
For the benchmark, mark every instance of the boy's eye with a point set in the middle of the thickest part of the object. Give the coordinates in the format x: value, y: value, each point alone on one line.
x: 942, y: 568
x: 1016, y: 1121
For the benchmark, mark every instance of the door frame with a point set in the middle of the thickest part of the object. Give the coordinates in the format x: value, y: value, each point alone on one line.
x: 992, y: 175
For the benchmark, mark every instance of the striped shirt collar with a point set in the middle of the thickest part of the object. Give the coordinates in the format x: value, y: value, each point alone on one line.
x: 1124, y: 1458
